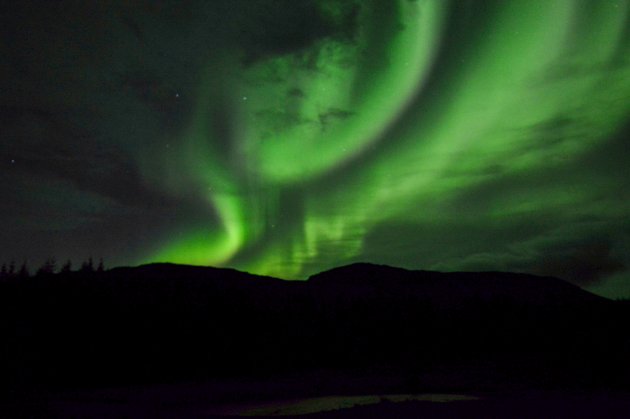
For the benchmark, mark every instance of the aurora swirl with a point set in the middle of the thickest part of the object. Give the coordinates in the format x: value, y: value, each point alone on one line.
x: 426, y: 134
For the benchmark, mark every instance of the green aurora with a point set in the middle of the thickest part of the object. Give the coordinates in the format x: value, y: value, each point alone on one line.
x: 427, y: 134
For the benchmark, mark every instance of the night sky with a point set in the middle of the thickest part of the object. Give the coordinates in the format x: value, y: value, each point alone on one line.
x: 285, y: 137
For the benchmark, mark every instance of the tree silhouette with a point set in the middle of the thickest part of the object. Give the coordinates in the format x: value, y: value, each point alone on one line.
x: 24, y: 273
x: 67, y: 267
x: 11, y: 270
x: 88, y: 265
x: 101, y: 266
x: 48, y: 268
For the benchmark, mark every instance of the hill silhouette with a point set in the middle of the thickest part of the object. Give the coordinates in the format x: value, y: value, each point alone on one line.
x: 165, y: 323
x: 452, y: 289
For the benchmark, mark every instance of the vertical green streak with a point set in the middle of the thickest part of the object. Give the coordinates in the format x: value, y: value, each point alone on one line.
x: 540, y: 89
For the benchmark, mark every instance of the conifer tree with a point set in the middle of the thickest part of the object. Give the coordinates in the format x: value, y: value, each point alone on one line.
x: 11, y: 270
x: 101, y: 266
x: 24, y: 273
x: 88, y: 266
x: 48, y: 268
x: 67, y: 267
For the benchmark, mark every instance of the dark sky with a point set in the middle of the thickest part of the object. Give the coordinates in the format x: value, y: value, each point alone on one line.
x: 285, y: 137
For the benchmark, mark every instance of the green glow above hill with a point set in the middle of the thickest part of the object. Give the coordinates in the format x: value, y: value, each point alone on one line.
x: 410, y: 124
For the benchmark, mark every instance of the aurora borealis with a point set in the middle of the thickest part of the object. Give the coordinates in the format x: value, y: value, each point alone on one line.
x: 285, y: 137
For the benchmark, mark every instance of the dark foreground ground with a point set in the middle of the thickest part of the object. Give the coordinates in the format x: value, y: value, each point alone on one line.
x: 454, y: 392
x: 168, y: 341
x: 195, y: 401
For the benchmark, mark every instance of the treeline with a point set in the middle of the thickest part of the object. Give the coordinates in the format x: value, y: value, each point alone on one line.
x: 10, y: 270
x: 169, y: 323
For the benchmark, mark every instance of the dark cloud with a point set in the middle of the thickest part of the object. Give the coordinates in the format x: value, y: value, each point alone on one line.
x: 586, y: 251
x: 42, y: 143
x: 296, y: 93
x: 333, y: 115
x: 582, y: 263
x: 290, y: 26
x: 285, y: 27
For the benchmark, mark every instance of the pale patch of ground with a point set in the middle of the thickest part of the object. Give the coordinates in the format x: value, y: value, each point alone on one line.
x: 325, y: 404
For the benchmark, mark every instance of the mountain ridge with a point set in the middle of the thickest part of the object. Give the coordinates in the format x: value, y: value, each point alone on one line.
x: 168, y: 323
x: 482, y: 285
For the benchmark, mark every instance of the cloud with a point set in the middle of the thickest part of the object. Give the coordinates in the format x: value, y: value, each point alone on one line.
x: 582, y: 263
x: 283, y: 27
x: 584, y: 250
